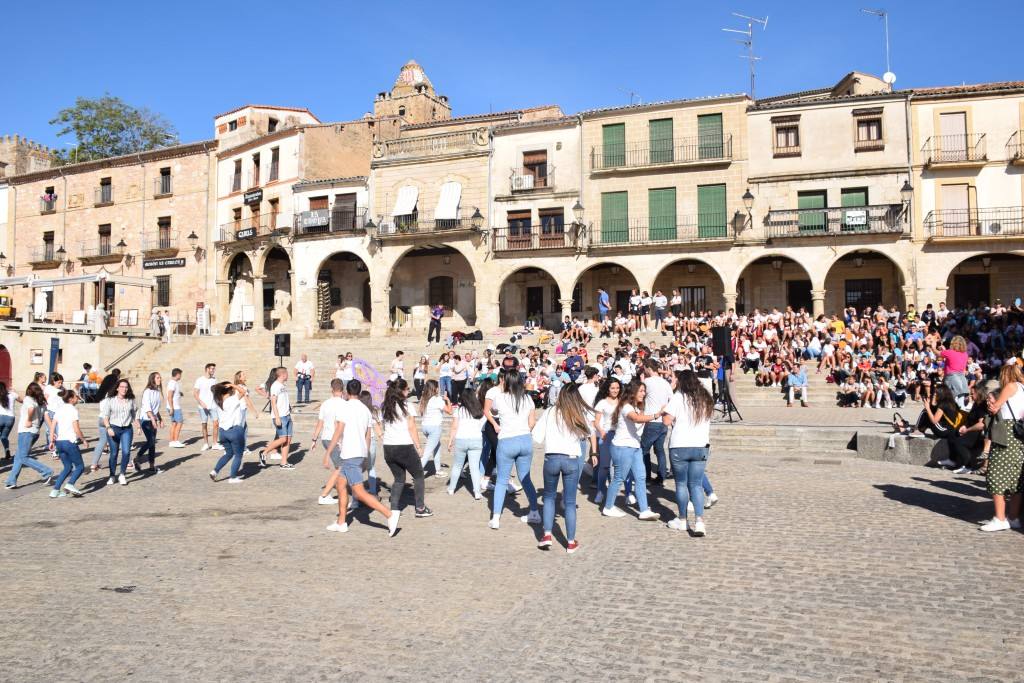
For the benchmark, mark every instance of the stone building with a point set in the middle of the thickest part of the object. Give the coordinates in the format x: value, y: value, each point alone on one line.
x: 19, y: 155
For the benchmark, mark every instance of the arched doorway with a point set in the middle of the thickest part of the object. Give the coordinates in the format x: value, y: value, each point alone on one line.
x: 242, y: 302
x: 983, y: 280
x: 277, y: 289
x: 864, y: 279
x: 699, y: 285
x: 529, y: 293
x: 773, y: 281
x: 343, y: 292
x: 5, y: 366
x: 612, y: 278
x: 425, y: 276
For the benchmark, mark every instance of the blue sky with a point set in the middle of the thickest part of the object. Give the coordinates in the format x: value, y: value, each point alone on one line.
x: 190, y: 60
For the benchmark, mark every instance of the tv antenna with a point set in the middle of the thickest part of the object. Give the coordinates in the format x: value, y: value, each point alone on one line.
x: 633, y: 95
x: 748, y: 42
x: 889, y: 77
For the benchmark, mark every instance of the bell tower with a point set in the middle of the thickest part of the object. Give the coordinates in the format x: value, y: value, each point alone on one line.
x: 412, y: 98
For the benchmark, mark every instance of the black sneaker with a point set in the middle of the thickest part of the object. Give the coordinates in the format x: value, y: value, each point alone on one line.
x: 424, y: 512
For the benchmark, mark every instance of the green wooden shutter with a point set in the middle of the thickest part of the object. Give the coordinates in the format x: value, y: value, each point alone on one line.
x: 709, y: 136
x: 661, y: 141
x: 854, y: 220
x: 812, y: 220
x: 711, y: 218
x: 614, y: 217
x: 661, y: 212
x: 613, y: 147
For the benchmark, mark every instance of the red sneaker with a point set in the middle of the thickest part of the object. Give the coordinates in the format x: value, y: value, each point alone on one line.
x: 572, y: 547
x: 545, y: 541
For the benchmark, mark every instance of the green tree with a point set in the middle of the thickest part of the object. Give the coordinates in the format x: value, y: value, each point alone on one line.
x: 108, y: 126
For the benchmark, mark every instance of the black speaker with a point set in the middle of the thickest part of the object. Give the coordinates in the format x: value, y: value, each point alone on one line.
x: 282, y: 344
x: 720, y: 341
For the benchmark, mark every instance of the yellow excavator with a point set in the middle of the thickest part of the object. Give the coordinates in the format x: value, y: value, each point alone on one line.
x: 7, y: 311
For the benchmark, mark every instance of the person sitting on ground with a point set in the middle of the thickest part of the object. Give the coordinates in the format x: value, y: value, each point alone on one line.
x: 796, y: 384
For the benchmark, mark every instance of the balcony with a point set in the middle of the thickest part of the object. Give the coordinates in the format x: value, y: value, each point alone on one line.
x: 697, y: 229
x: 162, y: 186
x: 47, y: 206
x: 104, y: 195
x: 420, y: 223
x: 695, y: 151
x: 44, y: 257
x: 535, y: 238
x: 102, y: 250
x: 160, y: 245
x: 427, y: 146
x: 987, y: 223
x: 879, y: 219
x: 338, y: 223
x: 539, y: 178
x: 955, y: 151
x: 248, y: 229
x: 1015, y: 148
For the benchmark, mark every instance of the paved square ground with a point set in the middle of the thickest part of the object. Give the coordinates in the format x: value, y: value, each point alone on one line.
x: 814, y: 569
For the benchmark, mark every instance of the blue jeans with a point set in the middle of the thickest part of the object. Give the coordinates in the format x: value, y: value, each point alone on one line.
x: 303, y: 384
x: 71, y: 458
x: 120, y: 442
x: 149, y: 447
x: 444, y: 385
x: 101, y: 441
x: 46, y: 427
x: 466, y: 449
x: 6, y: 424
x: 654, y: 435
x: 22, y: 459
x: 706, y: 483
x: 233, y: 441
x: 604, y: 465
x: 518, y: 451
x: 627, y: 460
x: 559, y: 465
x: 432, y: 449
x: 688, y: 465
x: 371, y: 469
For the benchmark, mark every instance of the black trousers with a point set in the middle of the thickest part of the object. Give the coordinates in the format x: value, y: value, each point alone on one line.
x: 458, y: 386
x: 434, y: 331
x: 402, y: 459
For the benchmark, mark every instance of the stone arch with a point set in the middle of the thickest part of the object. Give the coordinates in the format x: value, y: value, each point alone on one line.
x: 775, y: 280
x: 409, y: 292
x: 230, y: 259
x: 698, y: 280
x: 983, y: 278
x: 776, y: 253
x: 469, y: 254
x: 529, y: 292
x: 864, y: 277
x: 341, y: 283
x: 276, y: 272
x: 610, y: 275
x: 242, y: 303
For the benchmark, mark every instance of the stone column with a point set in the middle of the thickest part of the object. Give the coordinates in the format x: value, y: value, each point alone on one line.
x: 257, y: 301
x: 730, y: 300
x: 566, y: 308
x: 380, y: 313
x: 932, y: 295
x: 910, y: 296
x: 817, y: 302
x: 219, y: 317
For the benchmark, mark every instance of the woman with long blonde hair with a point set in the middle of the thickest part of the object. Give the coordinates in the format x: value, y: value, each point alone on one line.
x: 567, y: 426
x: 1006, y: 459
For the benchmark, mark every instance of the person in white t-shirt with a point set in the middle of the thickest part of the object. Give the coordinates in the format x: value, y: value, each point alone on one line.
x: 322, y: 432
x: 432, y: 408
x: 53, y: 403
x: 28, y: 432
x: 689, y: 414
x: 304, y: 374
x: 150, y: 420
x: 588, y: 391
x: 401, y: 441
x: 7, y: 400
x: 465, y: 441
x: 230, y: 402
x: 65, y: 437
x: 510, y: 402
x: 281, y: 411
x: 629, y: 422
x: 566, y: 427
x: 348, y: 448
x: 174, y: 408
x: 202, y: 391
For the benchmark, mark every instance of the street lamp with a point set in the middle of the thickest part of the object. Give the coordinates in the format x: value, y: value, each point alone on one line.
x: 907, y: 191
x: 477, y: 219
x: 748, y: 201
x: 121, y: 246
x: 577, y: 211
x: 61, y: 253
x: 193, y: 240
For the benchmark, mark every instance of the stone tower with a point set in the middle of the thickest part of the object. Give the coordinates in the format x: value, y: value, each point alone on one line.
x: 412, y: 98
x: 20, y: 155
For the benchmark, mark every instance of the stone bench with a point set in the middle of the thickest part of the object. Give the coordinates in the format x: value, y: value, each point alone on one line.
x: 875, y: 446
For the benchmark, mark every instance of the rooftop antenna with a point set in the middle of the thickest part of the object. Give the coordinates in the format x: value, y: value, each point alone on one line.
x: 889, y: 77
x: 633, y: 95
x: 748, y: 42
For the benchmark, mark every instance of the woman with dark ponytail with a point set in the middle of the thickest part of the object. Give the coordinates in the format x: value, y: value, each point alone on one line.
x: 401, y: 441
x: 65, y: 437
x: 515, y: 446
x: 28, y: 432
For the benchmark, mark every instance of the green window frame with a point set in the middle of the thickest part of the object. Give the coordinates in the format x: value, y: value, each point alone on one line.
x: 661, y: 213
x: 812, y: 221
x: 660, y: 131
x: 852, y: 197
x: 711, y: 211
x: 613, y: 145
x: 710, y: 142
x: 614, y: 217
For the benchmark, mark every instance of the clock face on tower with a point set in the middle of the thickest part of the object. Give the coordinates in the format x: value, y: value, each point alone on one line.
x: 417, y: 76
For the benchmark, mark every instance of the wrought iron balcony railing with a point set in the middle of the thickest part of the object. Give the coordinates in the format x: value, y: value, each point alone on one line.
x: 1006, y: 221
x: 954, y: 149
x: 44, y: 254
x: 875, y: 219
x: 327, y: 221
x: 662, y: 230
x: 419, y: 222
x: 104, y: 195
x: 103, y: 248
x: 431, y: 145
x: 535, y: 237
x: 696, y: 150
x: 47, y: 205
x: 1015, y: 147
x: 254, y: 228
x: 165, y: 241
x: 162, y: 186
x: 532, y: 179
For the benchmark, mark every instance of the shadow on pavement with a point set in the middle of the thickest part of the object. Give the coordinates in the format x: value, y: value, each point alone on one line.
x: 941, y: 503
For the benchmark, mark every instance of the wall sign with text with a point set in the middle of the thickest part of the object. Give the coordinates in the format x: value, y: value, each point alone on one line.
x: 163, y: 263
x: 253, y: 196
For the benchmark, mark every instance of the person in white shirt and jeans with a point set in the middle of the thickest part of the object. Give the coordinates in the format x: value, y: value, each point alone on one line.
x: 566, y: 428
x: 689, y: 414
x: 304, y: 373
x: 174, y: 408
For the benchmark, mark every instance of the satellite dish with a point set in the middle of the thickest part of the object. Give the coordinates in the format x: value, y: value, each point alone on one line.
x: 889, y: 77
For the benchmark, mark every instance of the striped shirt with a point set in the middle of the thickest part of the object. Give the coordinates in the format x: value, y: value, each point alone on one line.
x: 151, y: 404
x: 119, y: 411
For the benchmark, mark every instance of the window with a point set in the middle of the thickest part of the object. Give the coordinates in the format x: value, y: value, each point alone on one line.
x: 952, y: 141
x: 106, y: 192
x: 401, y: 111
x: 48, y: 202
x: 810, y: 218
x: 163, y: 290
x: 711, y: 211
x: 552, y: 221
x: 343, y: 213
x: 853, y: 198
x: 869, y: 130
x: 613, y: 145
x: 868, y: 135
x: 233, y: 125
x: 693, y: 298
x: 317, y: 203
x: 164, y: 181
x: 660, y: 131
x: 863, y: 293
x: 786, y: 130
x: 104, y: 234
x: 236, y: 176
x: 163, y: 227
x: 255, y: 171
x: 271, y: 124
x: 535, y: 164
x: 275, y: 154
x: 48, y: 253
x: 577, y: 297
x: 614, y: 217
x: 236, y: 215
x: 273, y: 213
x: 442, y: 291
x: 661, y: 214
x: 519, y: 223
x: 710, y: 141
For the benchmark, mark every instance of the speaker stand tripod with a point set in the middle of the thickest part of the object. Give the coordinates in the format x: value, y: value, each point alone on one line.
x: 724, y: 405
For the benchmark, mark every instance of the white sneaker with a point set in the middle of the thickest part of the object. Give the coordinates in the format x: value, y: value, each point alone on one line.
x: 218, y: 447
x: 710, y: 500
x: 599, y: 498
x: 235, y: 480
x: 177, y: 444
x: 110, y: 482
x: 477, y: 496
x: 996, y: 525
x: 205, y: 447
x: 246, y: 452
x: 393, y: 523
x: 75, y: 492
x: 326, y: 500
x: 699, y: 529
x: 612, y: 512
x: 648, y: 514
x: 121, y: 480
x: 495, y: 521
x: 532, y: 518
x: 516, y: 486
x: 679, y: 524
x: 213, y: 475
x: 946, y: 463
x: 449, y: 492
x: 340, y: 528
x: 631, y: 499
x: 1014, y: 523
